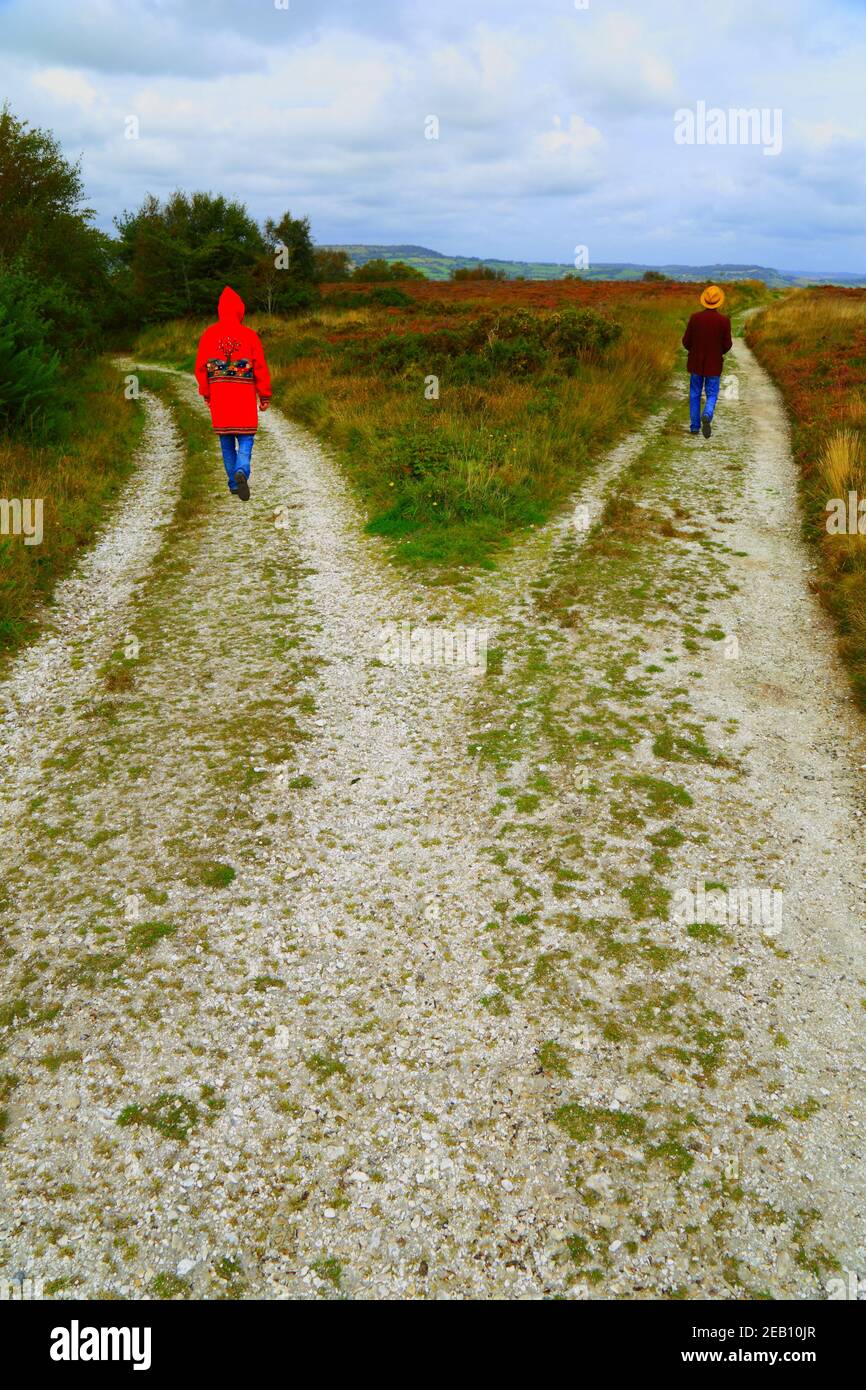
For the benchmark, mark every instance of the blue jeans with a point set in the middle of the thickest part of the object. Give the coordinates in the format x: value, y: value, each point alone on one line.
x: 237, y: 450
x: 698, y: 384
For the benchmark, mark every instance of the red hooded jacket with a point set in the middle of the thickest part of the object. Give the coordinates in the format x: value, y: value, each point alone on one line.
x: 707, y: 338
x: 230, y: 369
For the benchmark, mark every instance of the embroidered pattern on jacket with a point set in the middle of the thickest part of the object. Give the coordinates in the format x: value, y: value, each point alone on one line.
x: 224, y: 369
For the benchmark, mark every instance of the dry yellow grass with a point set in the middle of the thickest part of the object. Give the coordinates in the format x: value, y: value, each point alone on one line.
x: 841, y: 462
x: 814, y: 344
x: 75, y: 478
x: 855, y: 410
x: 450, y: 478
x: 843, y: 468
x: 810, y: 315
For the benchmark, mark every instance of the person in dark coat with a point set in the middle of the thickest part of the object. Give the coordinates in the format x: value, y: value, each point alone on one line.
x: 707, y: 338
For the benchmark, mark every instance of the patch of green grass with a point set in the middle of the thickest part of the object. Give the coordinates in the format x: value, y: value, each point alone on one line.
x: 170, y: 1114
x: 578, y: 1250
x: 100, y: 838
x: 169, y: 1285
x: 230, y: 1272
x: 15, y: 1009
x: 673, y: 1154
x: 496, y: 1004
x: 210, y: 1098
x: 77, y: 470
x: 553, y: 1058
x: 804, y: 1110
x: 705, y: 931
x: 760, y: 1120
x: 582, y: 1122
x: 661, y: 794
x: 325, y: 1066
x: 329, y: 1269
x: 678, y: 748
x: 646, y: 897
x: 145, y: 935
x: 8, y: 1082
x: 669, y: 837
x: 56, y: 1286
x: 216, y: 875
x: 95, y: 968
x: 55, y: 1060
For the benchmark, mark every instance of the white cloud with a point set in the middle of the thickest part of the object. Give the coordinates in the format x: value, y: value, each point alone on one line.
x: 573, y: 140
x: 67, y: 86
x: 821, y: 134
x: 555, y: 124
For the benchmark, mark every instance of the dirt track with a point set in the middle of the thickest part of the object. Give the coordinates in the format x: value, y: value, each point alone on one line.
x: 441, y: 1034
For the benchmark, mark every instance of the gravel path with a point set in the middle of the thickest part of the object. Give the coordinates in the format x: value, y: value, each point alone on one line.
x: 316, y: 980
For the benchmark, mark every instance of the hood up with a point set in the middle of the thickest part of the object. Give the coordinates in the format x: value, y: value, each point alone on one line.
x: 231, y: 308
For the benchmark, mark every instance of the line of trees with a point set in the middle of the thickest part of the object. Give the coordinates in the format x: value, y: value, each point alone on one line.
x: 58, y: 273
x: 333, y: 266
x: 66, y: 286
x: 178, y: 254
x: 477, y: 272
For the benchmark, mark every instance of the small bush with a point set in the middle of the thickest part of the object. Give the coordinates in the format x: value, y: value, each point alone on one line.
x: 515, y: 343
x: 391, y: 297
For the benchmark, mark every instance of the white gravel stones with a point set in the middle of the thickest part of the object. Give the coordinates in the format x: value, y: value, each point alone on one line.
x: 360, y: 1122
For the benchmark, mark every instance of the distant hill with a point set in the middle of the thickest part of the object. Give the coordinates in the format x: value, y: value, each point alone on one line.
x: 437, y: 266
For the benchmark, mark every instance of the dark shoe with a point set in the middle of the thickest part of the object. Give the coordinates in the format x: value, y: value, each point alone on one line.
x: 242, y: 486
x: 706, y: 426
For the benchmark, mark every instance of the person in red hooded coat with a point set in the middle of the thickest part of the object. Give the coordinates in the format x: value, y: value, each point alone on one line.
x: 232, y: 373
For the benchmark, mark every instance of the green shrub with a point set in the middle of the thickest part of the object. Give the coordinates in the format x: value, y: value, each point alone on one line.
x: 516, y: 343
x: 391, y: 297
x: 28, y: 367
x: 379, y: 269
x: 347, y: 299
x: 581, y: 331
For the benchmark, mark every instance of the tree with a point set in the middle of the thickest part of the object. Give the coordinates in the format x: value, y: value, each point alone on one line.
x: 40, y: 191
x: 378, y: 270
x: 331, y: 265
x: 181, y: 253
x: 47, y: 236
x: 477, y: 272
x: 285, y: 273
x: 28, y: 366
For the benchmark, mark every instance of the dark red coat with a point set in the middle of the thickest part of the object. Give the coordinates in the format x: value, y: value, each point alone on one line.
x: 707, y: 338
x: 230, y: 369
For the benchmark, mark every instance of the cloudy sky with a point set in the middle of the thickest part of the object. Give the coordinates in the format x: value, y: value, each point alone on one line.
x: 556, y: 124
